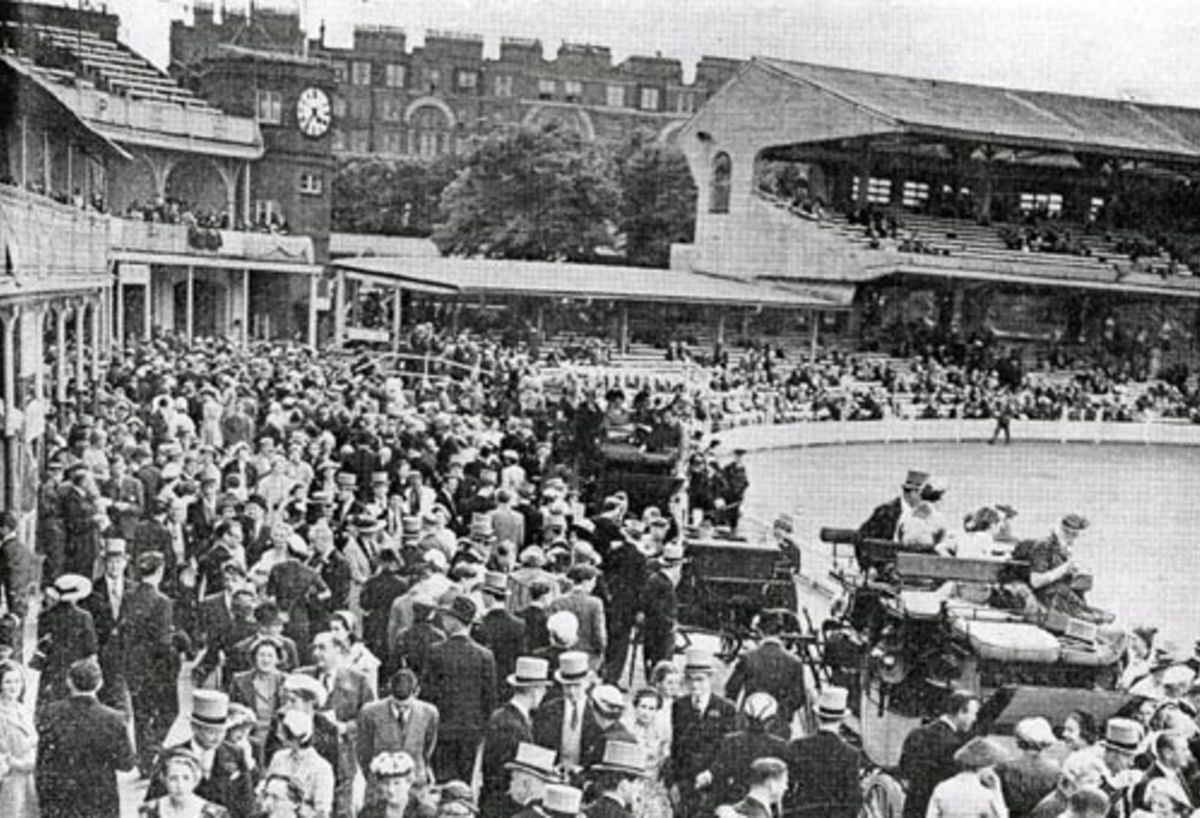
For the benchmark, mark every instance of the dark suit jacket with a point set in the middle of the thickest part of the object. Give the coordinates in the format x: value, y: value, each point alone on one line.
x: 378, y: 731
x: 110, y: 628
x: 881, y: 525
x: 148, y: 626
x: 548, y: 724
x: 731, y: 766
x: 214, y: 620
x: 65, y: 635
x: 824, y: 777
x: 504, y: 635
x: 773, y: 669
x: 658, y: 629
x: 506, y: 729
x: 82, y: 746
x: 462, y: 684
x: 926, y: 760
x: 750, y: 808
x: 1138, y: 793
x: 696, y: 737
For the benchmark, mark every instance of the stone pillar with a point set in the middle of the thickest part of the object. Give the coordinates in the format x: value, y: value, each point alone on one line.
x: 623, y: 330
x: 147, y: 311
x: 96, y: 309
x: 246, y: 212
x: 396, y: 319
x: 119, y: 290
x: 814, y: 331
x: 10, y: 318
x: 313, y: 282
x: 339, y: 309
x: 80, y: 380
x: 189, y: 322
x: 60, y: 356
x: 245, y: 307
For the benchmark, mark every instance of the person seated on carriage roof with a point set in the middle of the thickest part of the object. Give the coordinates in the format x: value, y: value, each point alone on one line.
x: 1057, y: 582
x: 885, y: 521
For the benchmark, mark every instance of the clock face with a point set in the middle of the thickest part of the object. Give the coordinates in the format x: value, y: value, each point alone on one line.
x: 314, y: 112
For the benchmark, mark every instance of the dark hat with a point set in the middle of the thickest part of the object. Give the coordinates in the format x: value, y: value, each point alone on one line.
x: 457, y: 792
x: 458, y: 606
x: 1075, y: 522
x: 916, y: 479
x: 150, y: 562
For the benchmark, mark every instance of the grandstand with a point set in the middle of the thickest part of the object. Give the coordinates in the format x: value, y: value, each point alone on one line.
x: 1074, y: 209
x: 64, y: 53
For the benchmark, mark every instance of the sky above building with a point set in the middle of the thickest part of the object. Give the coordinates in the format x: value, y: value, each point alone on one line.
x: 1128, y: 49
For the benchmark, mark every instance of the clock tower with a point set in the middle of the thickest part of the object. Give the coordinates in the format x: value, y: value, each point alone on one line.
x: 291, y: 97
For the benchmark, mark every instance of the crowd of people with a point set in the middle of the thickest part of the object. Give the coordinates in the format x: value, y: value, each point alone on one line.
x: 301, y: 594
x: 264, y: 583
x: 172, y: 210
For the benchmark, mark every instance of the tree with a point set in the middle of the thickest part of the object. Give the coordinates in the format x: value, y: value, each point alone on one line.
x: 658, y: 199
x: 529, y: 193
x: 390, y: 197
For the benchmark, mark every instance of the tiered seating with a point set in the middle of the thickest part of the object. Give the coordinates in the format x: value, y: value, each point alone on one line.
x: 114, y: 67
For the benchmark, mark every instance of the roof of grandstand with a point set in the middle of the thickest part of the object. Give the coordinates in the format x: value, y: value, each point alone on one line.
x: 458, y: 276
x: 1005, y: 115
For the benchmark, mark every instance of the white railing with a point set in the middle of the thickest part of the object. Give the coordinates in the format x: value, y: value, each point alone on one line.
x: 898, y: 430
x: 156, y: 237
x: 44, y: 239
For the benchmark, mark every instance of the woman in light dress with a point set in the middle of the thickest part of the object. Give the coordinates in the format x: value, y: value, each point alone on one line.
x: 651, y: 799
x: 360, y: 657
x: 18, y: 746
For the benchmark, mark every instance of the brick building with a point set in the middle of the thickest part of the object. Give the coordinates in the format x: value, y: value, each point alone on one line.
x: 391, y: 99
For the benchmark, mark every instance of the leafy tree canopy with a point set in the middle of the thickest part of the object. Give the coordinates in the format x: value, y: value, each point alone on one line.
x: 390, y: 197
x: 530, y: 193
x: 658, y: 199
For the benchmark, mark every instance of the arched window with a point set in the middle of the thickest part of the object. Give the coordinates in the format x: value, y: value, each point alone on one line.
x: 430, y: 132
x: 722, y: 170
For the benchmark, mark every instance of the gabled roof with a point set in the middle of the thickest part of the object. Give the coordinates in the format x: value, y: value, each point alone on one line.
x: 1009, y: 116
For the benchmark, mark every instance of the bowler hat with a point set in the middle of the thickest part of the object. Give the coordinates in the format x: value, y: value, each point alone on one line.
x: 1075, y: 522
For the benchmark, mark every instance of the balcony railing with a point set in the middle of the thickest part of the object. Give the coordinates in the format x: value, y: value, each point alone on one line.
x: 178, y: 239
x: 45, y: 240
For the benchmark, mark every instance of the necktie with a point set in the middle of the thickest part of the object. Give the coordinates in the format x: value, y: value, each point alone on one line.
x: 116, y: 601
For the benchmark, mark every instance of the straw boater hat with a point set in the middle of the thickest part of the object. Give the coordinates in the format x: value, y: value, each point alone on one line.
x: 831, y: 703
x: 495, y: 583
x: 529, y: 672
x: 699, y: 661
x: 410, y: 528
x: 210, y: 708
x: 672, y: 554
x: 572, y: 667
x: 536, y: 760
x: 72, y: 588
x: 115, y: 548
x: 625, y: 757
x: 562, y: 800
